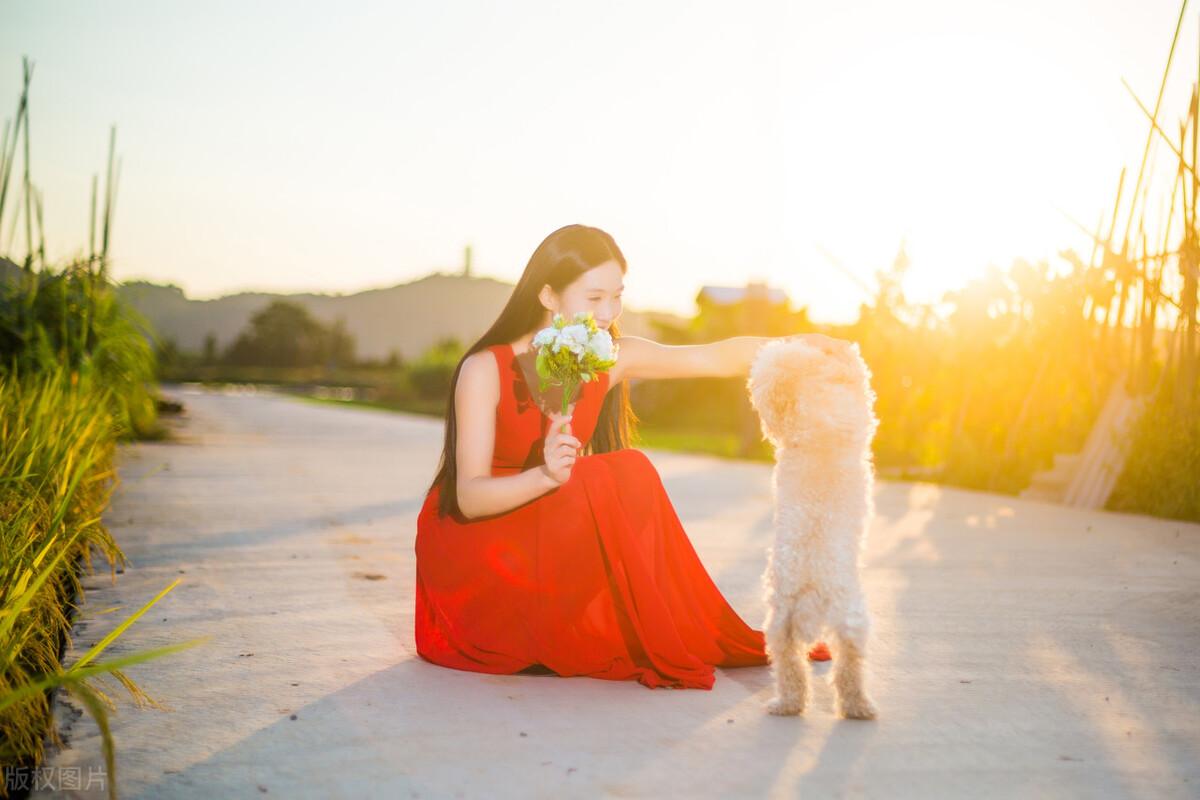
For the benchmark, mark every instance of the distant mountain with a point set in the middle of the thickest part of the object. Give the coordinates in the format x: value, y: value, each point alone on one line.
x: 407, y: 318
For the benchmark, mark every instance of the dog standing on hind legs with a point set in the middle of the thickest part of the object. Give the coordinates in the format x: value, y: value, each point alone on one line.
x: 816, y: 406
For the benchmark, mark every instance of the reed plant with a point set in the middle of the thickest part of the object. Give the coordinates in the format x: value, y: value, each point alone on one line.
x: 77, y: 371
x: 58, y: 430
x: 75, y: 319
x: 76, y: 379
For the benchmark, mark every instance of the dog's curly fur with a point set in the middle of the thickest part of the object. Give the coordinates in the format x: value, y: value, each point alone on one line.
x: 816, y: 406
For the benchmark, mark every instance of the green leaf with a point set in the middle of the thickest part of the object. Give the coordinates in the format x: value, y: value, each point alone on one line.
x: 115, y: 632
x: 78, y: 675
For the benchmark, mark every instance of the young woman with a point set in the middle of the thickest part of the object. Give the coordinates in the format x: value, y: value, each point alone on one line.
x: 545, y: 542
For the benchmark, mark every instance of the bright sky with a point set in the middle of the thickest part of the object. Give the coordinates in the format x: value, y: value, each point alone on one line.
x: 296, y: 147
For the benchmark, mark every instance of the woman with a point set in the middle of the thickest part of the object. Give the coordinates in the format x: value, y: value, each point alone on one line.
x: 534, y: 557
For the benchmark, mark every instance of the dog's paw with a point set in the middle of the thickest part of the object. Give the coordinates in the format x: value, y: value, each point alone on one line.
x: 785, y: 706
x: 858, y: 708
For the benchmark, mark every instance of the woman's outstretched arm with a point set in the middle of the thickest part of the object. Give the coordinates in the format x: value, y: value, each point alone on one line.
x: 479, y: 492
x: 726, y: 358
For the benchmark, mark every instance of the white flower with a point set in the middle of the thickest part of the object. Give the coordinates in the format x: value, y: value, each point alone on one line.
x: 601, y: 345
x: 566, y: 344
x: 573, y: 338
x: 578, y: 333
x: 545, y: 336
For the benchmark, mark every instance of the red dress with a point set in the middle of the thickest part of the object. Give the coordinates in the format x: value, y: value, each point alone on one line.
x: 596, y: 577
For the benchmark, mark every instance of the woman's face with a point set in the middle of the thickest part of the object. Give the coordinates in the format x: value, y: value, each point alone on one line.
x: 598, y: 290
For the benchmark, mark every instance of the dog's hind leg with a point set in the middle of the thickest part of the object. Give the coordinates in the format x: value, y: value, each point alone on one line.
x: 848, y: 656
x: 788, y: 665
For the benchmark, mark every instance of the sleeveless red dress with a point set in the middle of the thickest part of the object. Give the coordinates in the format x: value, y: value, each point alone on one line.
x: 596, y: 577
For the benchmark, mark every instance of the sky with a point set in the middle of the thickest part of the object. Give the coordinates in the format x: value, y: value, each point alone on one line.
x: 337, y: 147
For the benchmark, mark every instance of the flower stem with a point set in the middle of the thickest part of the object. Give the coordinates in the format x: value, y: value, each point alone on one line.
x: 566, y: 399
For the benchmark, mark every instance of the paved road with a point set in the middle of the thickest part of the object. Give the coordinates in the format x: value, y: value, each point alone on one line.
x: 1021, y: 649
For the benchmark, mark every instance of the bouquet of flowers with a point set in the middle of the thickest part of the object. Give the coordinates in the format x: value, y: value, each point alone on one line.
x: 570, y: 355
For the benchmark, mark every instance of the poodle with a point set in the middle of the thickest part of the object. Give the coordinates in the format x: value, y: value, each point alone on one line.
x: 816, y: 406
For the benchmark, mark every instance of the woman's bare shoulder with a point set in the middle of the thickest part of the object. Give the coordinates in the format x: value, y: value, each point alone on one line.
x: 480, y: 375
x: 485, y: 356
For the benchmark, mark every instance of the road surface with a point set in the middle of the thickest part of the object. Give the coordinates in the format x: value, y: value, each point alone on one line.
x: 1020, y: 649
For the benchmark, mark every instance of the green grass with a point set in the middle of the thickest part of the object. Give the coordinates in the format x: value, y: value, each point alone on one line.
x: 76, y: 378
x: 425, y: 408
x: 724, y: 445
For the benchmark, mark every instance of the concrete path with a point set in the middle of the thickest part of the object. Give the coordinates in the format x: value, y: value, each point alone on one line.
x: 1021, y: 649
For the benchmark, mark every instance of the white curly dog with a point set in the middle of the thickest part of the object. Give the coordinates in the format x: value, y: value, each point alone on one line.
x: 816, y: 406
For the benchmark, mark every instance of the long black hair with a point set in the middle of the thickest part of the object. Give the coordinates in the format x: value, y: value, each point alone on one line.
x: 559, y: 260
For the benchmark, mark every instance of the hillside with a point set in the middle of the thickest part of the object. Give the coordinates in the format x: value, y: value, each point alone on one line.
x: 408, y: 317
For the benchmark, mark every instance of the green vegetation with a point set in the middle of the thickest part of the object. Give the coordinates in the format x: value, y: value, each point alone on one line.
x: 58, y: 430
x: 725, y: 445
x: 980, y: 390
x: 420, y: 386
x: 1163, y: 469
x: 76, y: 377
x: 285, y: 334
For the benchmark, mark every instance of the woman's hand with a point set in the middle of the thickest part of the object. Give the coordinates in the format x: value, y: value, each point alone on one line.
x: 560, y: 450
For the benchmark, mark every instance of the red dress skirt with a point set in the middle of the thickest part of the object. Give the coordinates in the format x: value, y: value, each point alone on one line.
x: 596, y: 577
